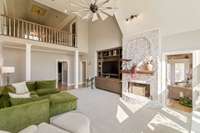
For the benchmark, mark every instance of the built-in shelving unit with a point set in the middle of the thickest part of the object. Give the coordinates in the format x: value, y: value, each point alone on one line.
x: 110, y: 81
x: 109, y: 55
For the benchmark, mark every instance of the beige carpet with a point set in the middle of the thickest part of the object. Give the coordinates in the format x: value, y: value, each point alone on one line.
x: 111, y: 114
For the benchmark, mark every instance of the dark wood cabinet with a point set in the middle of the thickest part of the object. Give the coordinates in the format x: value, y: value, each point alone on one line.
x: 109, y: 55
x: 109, y: 84
x: 105, y: 80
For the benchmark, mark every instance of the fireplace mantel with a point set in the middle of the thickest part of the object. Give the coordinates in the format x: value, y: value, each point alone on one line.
x: 146, y: 82
x: 137, y: 49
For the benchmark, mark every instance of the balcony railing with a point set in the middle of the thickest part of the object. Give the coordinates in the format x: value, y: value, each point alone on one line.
x: 23, y: 29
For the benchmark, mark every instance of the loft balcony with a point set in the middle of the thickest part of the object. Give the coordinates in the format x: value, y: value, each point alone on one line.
x: 19, y: 28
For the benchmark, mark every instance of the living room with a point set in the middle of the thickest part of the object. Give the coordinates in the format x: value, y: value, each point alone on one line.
x: 98, y: 66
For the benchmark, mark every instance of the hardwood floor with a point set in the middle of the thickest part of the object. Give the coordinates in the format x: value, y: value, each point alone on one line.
x: 65, y: 87
x: 174, y: 104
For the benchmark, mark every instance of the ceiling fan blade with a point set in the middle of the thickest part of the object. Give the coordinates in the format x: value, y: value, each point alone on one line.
x: 108, y: 12
x: 87, y: 16
x: 96, y: 1
x: 85, y: 2
x: 82, y: 10
x: 77, y: 13
x: 94, y: 17
x: 75, y: 4
x: 103, y: 16
x: 100, y: 4
x: 92, y: 1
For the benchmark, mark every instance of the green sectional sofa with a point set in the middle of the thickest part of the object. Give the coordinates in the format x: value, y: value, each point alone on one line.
x: 46, y: 101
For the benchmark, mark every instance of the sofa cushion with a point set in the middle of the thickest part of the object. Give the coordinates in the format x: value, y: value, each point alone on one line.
x: 16, y: 118
x: 4, y: 98
x: 31, y: 86
x: 4, y: 101
x: 61, y: 97
x: 18, y: 101
x: 48, y: 84
x: 33, y: 93
x: 42, y: 92
x: 8, y: 89
x: 14, y: 95
x: 20, y: 88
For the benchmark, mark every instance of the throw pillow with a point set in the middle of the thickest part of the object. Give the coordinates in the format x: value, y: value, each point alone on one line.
x: 20, y: 88
x: 25, y: 95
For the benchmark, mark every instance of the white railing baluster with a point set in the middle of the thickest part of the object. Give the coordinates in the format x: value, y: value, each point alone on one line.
x: 14, y: 30
x: 28, y: 30
x: 18, y: 26
x: 9, y: 26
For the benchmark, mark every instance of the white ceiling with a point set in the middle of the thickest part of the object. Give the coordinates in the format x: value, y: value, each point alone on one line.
x: 59, y: 5
x: 171, y: 16
x: 22, y: 9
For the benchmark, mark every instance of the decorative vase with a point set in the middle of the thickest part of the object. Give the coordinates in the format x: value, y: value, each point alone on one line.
x: 149, y: 67
x: 133, y: 72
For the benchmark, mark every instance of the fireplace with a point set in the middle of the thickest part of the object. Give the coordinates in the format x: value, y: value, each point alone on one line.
x: 139, y: 89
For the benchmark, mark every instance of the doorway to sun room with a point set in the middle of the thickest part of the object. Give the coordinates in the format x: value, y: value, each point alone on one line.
x: 62, y: 75
x: 179, y: 81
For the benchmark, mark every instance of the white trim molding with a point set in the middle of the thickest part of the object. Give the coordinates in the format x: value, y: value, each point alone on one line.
x: 28, y: 62
x: 68, y: 70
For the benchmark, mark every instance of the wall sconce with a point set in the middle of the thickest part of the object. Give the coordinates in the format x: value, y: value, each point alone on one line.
x: 132, y: 17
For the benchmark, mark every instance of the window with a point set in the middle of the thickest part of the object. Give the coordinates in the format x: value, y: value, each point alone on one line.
x: 179, y: 72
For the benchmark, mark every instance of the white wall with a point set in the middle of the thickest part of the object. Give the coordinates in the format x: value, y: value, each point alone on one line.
x: 171, y: 16
x: 186, y: 41
x: 16, y: 58
x: 1, y: 61
x: 102, y: 35
x: 43, y: 65
x: 82, y: 34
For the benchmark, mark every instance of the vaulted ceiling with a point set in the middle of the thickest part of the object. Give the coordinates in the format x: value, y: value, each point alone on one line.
x: 35, y: 12
x: 171, y: 16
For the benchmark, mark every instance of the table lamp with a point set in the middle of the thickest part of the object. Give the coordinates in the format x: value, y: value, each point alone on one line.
x: 7, y: 70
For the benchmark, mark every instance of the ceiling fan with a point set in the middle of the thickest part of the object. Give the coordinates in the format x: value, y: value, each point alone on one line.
x: 93, y: 9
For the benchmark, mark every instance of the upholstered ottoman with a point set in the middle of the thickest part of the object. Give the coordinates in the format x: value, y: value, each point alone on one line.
x: 42, y: 128
x: 62, y: 102
x: 72, y: 122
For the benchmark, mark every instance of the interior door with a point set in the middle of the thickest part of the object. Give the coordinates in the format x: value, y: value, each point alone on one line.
x: 84, y: 72
x: 64, y: 73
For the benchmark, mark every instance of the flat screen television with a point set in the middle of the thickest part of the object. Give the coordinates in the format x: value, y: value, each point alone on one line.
x: 110, y: 67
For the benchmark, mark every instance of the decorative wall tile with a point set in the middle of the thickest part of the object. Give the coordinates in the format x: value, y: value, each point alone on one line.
x: 137, y: 48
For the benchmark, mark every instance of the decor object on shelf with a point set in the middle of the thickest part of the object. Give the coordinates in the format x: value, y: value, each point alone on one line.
x: 7, y: 70
x: 133, y: 71
x: 148, y: 62
x: 93, y: 9
x: 125, y: 64
x: 185, y: 101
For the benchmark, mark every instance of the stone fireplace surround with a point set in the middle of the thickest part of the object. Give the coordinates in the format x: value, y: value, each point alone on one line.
x: 136, y: 48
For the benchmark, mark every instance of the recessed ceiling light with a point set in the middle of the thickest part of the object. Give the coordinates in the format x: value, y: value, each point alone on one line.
x: 66, y: 11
